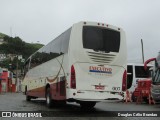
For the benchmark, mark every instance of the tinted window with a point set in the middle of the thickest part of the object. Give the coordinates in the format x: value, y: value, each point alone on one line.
x: 141, y: 73
x: 52, y: 50
x: 26, y: 66
x: 101, y: 39
x: 65, y: 41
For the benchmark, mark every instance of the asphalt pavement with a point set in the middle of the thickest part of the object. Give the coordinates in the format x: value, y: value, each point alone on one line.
x: 15, y: 102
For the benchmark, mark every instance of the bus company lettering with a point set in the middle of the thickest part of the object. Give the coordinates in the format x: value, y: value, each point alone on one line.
x: 100, y: 69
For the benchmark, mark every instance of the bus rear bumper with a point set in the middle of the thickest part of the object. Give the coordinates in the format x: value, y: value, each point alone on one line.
x: 97, y: 96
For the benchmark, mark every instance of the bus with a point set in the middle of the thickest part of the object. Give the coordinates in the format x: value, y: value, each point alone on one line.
x: 155, y: 87
x: 136, y: 72
x: 86, y: 64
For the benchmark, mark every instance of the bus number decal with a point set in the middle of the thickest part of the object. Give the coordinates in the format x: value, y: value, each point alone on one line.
x: 116, y: 88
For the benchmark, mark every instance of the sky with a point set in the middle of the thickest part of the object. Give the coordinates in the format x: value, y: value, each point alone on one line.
x: 43, y: 20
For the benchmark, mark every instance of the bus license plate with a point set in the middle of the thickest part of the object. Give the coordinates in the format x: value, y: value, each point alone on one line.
x: 98, y: 87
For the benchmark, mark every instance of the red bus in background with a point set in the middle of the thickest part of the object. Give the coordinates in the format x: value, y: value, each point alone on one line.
x: 135, y: 73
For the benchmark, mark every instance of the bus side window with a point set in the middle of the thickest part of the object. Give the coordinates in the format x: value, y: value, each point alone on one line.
x: 129, y: 76
x: 140, y: 72
x: 26, y: 67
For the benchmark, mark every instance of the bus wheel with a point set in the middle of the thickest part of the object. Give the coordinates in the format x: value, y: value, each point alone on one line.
x: 25, y: 90
x: 49, y: 101
x: 28, y: 98
x: 87, y: 105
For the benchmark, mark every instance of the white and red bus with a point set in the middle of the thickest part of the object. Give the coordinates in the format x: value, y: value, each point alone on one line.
x: 85, y: 64
x: 135, y: 73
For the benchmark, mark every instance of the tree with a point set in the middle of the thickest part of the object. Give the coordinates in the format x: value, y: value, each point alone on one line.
x: 16, y: 46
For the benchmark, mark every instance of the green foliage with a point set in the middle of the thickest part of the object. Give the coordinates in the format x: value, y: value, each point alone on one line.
x: 11, y: 65
x: 18, y: 47
x: 2, y: 35
x: 5, y: 63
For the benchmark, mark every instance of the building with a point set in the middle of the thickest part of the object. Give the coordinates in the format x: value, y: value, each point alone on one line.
x: 1, y: 41
x: 2, y: 57
x: 1, y: 71
x: 6, y: 81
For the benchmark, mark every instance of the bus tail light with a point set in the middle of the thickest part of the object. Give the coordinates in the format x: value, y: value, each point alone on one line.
x: 73, y: 78
x: 124, y: 81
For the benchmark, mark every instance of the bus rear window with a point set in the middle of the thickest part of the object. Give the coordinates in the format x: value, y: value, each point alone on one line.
x: 101, y: 39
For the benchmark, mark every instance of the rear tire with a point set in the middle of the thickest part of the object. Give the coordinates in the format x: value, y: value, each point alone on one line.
x: 49, y: 100
x: 87, y: 104
x: 25, y: 90
x: 28, y: 98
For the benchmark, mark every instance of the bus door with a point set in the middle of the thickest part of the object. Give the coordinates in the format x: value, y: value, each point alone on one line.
x: 129, y: 76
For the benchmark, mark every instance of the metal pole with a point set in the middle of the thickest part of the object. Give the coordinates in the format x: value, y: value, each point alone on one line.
x: 142, y: 50
x: 17, y: 74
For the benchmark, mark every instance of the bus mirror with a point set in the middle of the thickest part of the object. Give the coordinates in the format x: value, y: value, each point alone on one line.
x: 148, y: 61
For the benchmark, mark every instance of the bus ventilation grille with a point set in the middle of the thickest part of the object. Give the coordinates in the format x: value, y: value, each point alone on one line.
x: 101, y: 57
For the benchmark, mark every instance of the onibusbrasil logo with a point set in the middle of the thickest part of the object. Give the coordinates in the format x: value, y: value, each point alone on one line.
x: 21, y: 114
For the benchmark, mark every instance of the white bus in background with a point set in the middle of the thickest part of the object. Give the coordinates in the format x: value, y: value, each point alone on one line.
x: 85, y: 64
x: 136, y: 72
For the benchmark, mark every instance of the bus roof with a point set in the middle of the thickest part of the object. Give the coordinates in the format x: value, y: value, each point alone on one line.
x: 139, y: 64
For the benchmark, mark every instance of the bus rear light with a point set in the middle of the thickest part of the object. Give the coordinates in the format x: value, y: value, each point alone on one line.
x: 73, y: 78
x: 124, y: 81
